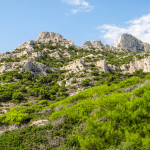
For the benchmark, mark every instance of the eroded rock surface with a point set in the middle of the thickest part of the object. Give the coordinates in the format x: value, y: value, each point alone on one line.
x: 75, y: 66
x: 46, y: 37
x: 132, y: 44
x: 35, y: 67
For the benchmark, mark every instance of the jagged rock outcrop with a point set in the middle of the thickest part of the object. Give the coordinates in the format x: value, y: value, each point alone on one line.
x: 29, y: 46
x: 37, y: 54
x: 87, y: 44
x: 107, y: 46
x: 102, y: 66
x: 146, y: 47
x: 97, y: 44
x: 75, y: 66
x: 143, y: 64
x: 66, y: 54
x: 35, y: 68
x: 132, y: 44
x: 46, y: 37
x: 55, y: 55
x: 112, y: 67
x: 11, y: 66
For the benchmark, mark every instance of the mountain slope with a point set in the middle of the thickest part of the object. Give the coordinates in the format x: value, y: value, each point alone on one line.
x: 103, y: 117
x: 41, y: 106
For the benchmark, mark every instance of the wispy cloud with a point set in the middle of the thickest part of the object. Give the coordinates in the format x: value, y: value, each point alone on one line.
x: 139, y: 28
x: 79, y: 6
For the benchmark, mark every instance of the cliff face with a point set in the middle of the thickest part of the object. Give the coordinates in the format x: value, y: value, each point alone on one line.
x: 142, y: 64
x: 132, y: 44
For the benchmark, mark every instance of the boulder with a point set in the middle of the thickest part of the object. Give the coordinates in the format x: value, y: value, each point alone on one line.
x: 101, y: 64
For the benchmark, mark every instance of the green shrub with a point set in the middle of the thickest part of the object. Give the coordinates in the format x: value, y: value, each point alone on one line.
x: 86, y: 82
x: 17, y: 97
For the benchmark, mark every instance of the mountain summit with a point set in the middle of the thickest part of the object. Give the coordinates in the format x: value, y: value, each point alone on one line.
x: 131, y: 43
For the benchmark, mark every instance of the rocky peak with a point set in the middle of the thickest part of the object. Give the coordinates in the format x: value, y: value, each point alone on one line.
x: 131, y: 43
x: 95, y: 44
x: 46, y: 37
x: 87, y: 44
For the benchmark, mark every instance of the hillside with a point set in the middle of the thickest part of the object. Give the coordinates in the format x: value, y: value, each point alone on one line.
x: 56, y: 95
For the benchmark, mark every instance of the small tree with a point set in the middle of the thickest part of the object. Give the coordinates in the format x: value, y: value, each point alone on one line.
x: 85, y: 82
x: 18, y: 96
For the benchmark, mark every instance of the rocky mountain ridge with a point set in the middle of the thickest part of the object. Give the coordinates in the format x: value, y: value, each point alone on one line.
x: 28, y: 49
x: 51, y: 52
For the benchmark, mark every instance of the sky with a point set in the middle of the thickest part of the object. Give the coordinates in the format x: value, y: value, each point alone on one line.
x: 77, y: 20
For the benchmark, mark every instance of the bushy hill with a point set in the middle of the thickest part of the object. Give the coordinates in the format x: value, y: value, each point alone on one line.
x: 103, y: 117
x: 55, y: 95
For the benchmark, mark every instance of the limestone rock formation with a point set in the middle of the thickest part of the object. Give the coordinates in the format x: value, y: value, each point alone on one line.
x: 29, y: 46
x: 10, y: 66
x: 55, y: 55
x: 146, y: 47
x: 107, y: 46
x: 112, y: 67
x: 101, y: 64
x: 143, y: 64
x: 46, y: 37
x: 87, y: 44
x: 35, y: 68
x: 132, y: 44
x: 75, y: 66
x: 97, y: 44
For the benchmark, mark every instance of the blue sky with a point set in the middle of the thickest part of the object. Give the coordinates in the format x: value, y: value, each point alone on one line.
x: 77, y: 20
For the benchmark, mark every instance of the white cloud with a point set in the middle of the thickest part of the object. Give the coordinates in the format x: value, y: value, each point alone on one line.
x: 139, y: 28
x: 80, y: 6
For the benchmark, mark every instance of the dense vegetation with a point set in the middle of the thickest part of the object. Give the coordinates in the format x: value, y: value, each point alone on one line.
x: 103, y: 117
x: 25, y: 84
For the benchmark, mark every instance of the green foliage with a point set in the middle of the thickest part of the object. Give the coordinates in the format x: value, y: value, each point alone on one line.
x: 17, y: 97
x: 95, y: 73
x: 103, y: 117
x: 86, y: 82
x: 74, y: 80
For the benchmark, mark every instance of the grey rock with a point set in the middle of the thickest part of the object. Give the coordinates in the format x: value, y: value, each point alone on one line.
x: 35, y: 67
x: 107, y: 46
x: 30, y: 45
x: 112, y: 67
x: 45, y: 111
x: 75, y: 66
x: 87, y: 44
x: 146, y: 47
x: 132, y: 44
x: 46, y: 37
x: 40, y: 123
x: 55, y: 55
x: 102, y: 66
x: 97, y: 44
